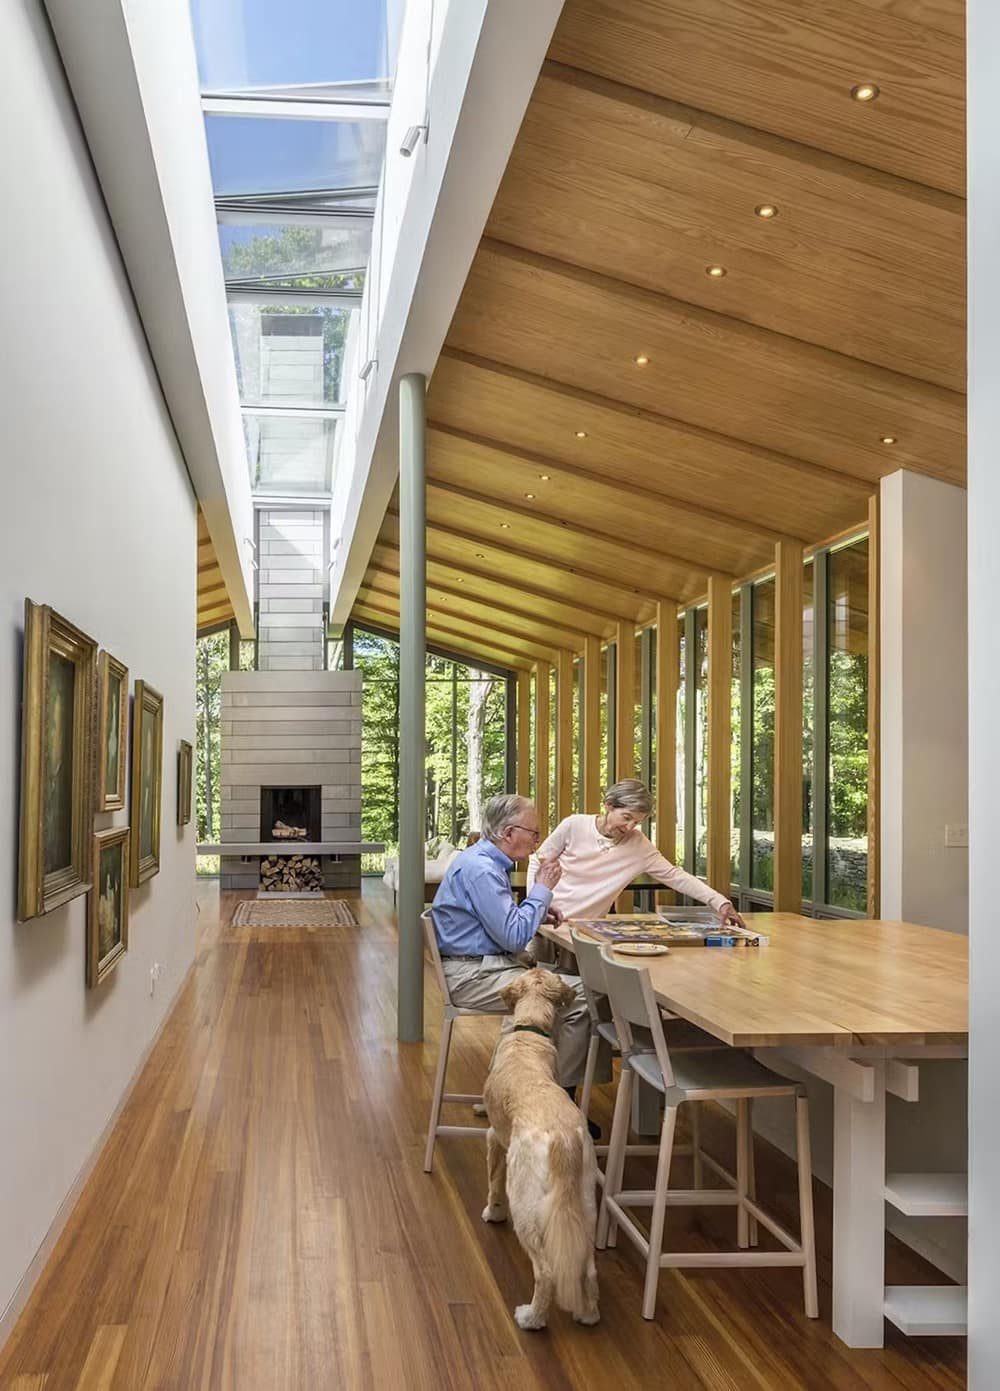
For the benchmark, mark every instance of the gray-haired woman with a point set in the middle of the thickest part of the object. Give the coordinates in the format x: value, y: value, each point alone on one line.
x: 601, y: 855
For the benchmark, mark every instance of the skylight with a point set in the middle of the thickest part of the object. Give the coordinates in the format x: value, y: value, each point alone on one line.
x: 296, y: 96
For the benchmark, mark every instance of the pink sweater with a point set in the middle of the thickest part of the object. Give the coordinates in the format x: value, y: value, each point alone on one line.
x: 596, y: 870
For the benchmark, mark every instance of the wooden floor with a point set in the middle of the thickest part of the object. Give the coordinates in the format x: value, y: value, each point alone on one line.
x: 260, y: 1221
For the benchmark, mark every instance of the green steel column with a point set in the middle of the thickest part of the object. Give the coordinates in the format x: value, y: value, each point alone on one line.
x: 412, y: 677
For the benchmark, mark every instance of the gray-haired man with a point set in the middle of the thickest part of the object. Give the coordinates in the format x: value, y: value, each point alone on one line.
x: 482, y: 931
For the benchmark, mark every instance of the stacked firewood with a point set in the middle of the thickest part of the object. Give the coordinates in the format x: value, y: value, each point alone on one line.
x: 290, y: 873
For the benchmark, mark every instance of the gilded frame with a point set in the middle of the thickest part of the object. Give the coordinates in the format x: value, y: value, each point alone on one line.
x: 185, y: 765
x: 147, y: 714
x: 45, y: 880
x: 100, y: 967
x: 111, y: 673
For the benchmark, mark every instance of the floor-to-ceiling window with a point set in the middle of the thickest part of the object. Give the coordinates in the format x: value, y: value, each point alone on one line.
x: 761, y: 721
x: 847, y: 727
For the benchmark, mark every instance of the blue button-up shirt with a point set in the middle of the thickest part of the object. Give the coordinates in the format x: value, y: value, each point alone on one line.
x: 474, y: 911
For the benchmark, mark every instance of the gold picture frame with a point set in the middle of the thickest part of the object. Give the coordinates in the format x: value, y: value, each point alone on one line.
x: 57, y: 720
x: 147, y: 783
x: 185, y: 763
x: 107, y: 915
x: 112, y: 732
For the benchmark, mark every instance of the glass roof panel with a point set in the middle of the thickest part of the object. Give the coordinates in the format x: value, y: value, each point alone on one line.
x: 289, y: 455
x: 276, y: 250
x: 257, y: 155
x: 246, y: 44
x: 290, y: 355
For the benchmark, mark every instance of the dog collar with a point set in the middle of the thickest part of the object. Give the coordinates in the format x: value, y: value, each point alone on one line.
x: 530, y: 1029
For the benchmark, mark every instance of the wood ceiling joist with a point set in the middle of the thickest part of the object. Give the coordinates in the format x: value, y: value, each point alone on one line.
x: 473, y: 631
x: 704, y: 368
x: 500, y: 593
x: 742, y: 481
x: 213, y: 605
x: 444, y: 636
x: 464, y: 602
x: 616, y: 181
x: 789, y: 68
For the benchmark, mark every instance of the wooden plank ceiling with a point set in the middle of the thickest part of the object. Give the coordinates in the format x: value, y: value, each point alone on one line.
x: 571, y: 485
x: 213, y: 599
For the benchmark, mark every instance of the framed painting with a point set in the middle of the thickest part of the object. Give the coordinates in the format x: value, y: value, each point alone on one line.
x: 107, y: 919
x: 112, y: 731
x: 147, y: 782
x: 57, y: 798
x: 185, y: 757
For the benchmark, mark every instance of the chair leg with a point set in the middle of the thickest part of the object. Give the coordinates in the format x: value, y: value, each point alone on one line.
x: 699, y: 1168
x: 615, y: 1165
x: 659, y: 1212
x: 442, y: 1068
x: 751, y: 1175
x: 804, y: 1156
x: 742, y: 1148
x: 588, y: 1075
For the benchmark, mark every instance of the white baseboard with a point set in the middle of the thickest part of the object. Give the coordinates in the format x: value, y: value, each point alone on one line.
x: 30, y: 1278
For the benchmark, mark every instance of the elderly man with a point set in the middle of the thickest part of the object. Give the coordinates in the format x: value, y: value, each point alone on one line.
x: 481, y: 931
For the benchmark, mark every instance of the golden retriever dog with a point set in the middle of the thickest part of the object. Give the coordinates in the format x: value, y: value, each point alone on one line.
x: 540, y: 1158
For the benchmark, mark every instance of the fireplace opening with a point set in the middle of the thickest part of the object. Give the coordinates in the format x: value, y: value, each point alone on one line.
x: 290, y: 814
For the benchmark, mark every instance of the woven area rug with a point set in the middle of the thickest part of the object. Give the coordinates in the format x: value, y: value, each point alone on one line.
x: 295, y: 912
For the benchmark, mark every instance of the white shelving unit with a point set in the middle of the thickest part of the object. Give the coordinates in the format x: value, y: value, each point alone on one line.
x: 928, y: 1195
x: 924, y: 1311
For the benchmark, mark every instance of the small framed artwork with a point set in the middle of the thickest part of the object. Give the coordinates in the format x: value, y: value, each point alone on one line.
x: 107, y: 919
x: 112, y: 731
x: 147, y: 783
x: 57, y: 797
x: 185, y: 756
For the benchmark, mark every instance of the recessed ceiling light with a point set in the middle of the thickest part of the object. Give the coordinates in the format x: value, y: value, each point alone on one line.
x: 716, y: 272
x: 766, y: 210
x: 544, y: 477
x: 641, y: 360
x: 888, y: 439
x: 865, y: 91
x: 505, y: 526
x: 530, y: 496
x: 459, y: 579
x: 582, y: 434
x: 480, y: 555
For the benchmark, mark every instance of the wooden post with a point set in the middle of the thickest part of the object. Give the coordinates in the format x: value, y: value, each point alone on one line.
x: 874, y: 710
x: 542, y: 714
x: 564, y: 735
x: 524, y: 733
x: 625, y: 703
x: 720, y: 735
x: 788, y: 727
x: 668, y: 672
x: 590, y: 719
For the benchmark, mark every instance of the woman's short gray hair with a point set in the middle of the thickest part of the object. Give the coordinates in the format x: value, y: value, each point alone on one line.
x: 503, y: 811
x: 631, y: 795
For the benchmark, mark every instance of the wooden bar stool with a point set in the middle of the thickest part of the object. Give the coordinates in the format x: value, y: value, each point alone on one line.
x: 703, y: 1075
x: 451, y: 1013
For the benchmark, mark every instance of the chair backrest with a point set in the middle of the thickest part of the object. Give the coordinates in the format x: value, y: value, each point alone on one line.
x: 434, y: 952
x: 590, y: 968
x: 633, y: 1006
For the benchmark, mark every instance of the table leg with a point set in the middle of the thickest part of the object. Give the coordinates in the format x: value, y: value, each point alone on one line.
x: 859, y: 1216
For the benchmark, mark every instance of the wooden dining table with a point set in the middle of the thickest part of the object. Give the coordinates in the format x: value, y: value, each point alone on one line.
x: 858, y: 1003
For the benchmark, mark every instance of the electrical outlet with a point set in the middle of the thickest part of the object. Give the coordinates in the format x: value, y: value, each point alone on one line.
x: 957, y: 836
x: 154, y: 976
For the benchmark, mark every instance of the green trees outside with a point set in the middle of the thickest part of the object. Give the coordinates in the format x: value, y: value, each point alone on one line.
x: 211, y: 660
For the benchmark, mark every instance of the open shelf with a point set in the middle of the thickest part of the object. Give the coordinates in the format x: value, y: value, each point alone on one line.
x: 927, y: 1310
x: 928, y: 1195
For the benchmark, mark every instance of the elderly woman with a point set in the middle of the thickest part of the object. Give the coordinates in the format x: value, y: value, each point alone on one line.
x: 601, y: 855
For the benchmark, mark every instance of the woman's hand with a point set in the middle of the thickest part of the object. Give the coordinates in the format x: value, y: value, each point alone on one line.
x: 549, y: 873
x: 728, y: 916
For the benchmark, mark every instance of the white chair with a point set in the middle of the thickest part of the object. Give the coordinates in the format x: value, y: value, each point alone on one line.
x: 451, y: 1013
x: 590, y: 968
x: 709, y: 1075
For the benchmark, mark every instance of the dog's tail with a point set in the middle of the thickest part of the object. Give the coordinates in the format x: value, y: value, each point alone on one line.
x: 568, y: 1234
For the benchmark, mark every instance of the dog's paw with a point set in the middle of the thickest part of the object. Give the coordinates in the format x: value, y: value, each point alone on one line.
x: 588, y: 1316
x: 495, y: 1212
x: 526, y: 1318
x: 478, y: 1109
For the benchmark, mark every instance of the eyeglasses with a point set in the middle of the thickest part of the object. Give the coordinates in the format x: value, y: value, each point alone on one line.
x: 513, y: 826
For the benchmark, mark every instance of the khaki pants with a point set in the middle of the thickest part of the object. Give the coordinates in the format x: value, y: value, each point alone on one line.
x: 477, y: 984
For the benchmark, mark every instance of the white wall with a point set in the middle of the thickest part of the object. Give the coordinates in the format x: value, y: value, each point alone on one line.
x: 983, y: 17
x: 924, y: 700
x: 98, y: 519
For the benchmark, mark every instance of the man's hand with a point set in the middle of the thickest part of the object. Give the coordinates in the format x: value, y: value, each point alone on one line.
x: 728, y: 916
x: 549, y: 873
x: 555, y: 916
